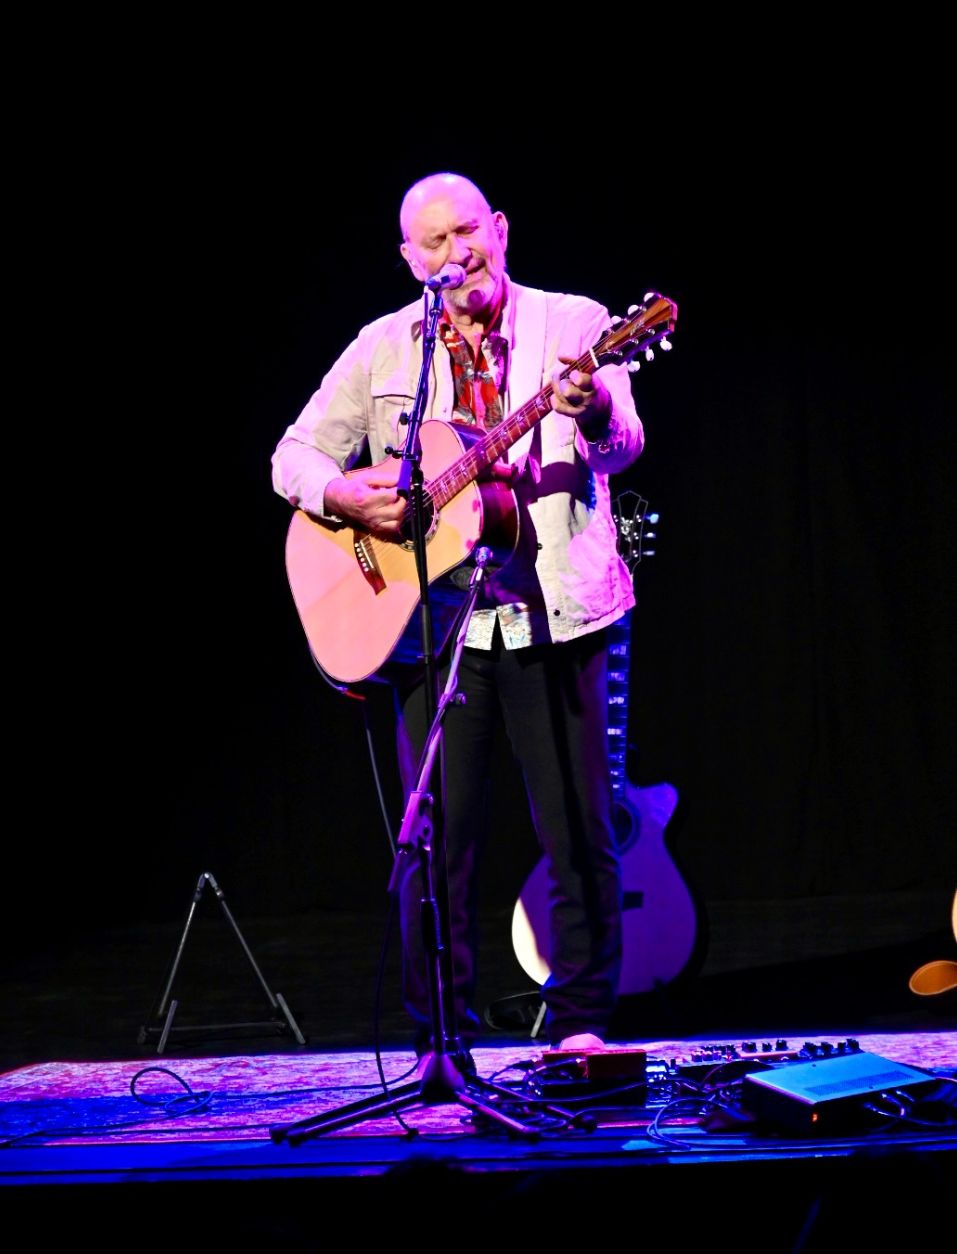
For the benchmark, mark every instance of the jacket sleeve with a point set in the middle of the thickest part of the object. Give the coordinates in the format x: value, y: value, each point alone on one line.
x: 580, y: 323
x: 329, y: 434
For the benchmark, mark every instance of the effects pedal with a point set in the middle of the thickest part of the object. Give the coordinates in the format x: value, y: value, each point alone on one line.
x: 599, y: 1064
x: 571, y: 1073
x: 724, y: 1062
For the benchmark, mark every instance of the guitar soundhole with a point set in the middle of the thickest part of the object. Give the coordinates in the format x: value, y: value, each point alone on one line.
x: 428, y: 519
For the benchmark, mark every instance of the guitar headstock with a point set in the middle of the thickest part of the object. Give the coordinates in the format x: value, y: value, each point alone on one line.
x: 647, y: 324
x: 630, y: 512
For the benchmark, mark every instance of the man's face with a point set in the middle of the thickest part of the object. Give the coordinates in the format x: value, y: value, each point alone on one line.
x: 455, y: 225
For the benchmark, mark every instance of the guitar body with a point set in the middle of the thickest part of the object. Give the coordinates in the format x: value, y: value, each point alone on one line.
x: 660, y: 919
x: 356, y: 594
x: 660, y: 915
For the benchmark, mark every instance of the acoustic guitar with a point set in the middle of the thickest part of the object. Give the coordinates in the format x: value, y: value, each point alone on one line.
x: 356, y: 593
x: 661, y: 918
x: 940, y: 975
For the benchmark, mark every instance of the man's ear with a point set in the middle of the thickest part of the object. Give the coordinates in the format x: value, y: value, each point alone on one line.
x: 501, y: 227
x: 413, y: 265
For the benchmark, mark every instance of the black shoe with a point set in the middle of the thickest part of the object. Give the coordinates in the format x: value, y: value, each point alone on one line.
x: 467, y: 1031
x: 459, y: 1054
x: 465, y: 1062
x: 518, y: 1013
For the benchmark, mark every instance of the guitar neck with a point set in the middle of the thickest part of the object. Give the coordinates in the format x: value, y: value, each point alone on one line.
x: 619, y: 662
x: 487, y: 450
x: 648, y: 324
x: 630, y: 512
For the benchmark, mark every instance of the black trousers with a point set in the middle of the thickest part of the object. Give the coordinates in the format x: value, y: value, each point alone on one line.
x: 553, y: 701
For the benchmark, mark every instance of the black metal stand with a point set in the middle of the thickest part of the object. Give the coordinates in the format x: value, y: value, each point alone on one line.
x: 440, y: 1077
x: 166, y: 1008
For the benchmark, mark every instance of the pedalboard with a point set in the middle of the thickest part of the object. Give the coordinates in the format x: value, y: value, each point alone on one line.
x: 560, y: 1073
x: 818, y: 1087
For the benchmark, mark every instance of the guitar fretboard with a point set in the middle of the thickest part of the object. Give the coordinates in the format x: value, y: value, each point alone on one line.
x: 647, y: 325
x: 630, y: 513
x: 467, y: 468
x: 619, y: 657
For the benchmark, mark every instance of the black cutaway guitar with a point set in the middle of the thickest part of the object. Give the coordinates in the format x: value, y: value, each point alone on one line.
x: 660, y: 920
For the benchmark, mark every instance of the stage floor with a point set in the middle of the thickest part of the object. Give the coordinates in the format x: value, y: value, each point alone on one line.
x: 527, y: 1132
x: 226, y: 1136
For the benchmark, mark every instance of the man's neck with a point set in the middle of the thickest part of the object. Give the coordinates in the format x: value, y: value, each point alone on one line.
x: 474, y: 327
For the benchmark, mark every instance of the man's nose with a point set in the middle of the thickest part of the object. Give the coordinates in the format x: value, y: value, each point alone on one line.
x: 459, y: 251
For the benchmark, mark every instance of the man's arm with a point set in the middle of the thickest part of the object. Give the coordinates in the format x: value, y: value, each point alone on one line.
x: 611, y: 435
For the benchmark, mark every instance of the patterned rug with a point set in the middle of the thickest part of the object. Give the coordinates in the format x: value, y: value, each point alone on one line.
x: 245, y: 1098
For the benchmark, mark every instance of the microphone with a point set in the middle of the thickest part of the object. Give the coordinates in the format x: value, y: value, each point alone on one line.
x: 450, y: 275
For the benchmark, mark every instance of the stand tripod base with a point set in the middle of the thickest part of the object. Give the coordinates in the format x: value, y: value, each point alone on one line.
x: 163, y: 1031
x: 440, y: 1083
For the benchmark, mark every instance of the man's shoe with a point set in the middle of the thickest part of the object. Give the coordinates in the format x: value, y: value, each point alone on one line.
x: 460, y: 1055
x: 465, y: 1062
x: 512, y: 1014
x: 582, y: 1041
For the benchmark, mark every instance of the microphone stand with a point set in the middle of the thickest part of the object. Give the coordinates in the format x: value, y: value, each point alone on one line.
x: 440, y: 1079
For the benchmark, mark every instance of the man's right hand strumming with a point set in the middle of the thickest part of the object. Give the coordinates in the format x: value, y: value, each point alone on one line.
x: 368, y: 497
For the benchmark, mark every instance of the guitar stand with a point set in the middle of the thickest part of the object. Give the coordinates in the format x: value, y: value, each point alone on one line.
x: 167, y: 1007
x: 441, y: 1080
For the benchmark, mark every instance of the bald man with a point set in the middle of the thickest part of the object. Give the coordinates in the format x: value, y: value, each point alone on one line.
x: 534, y: 663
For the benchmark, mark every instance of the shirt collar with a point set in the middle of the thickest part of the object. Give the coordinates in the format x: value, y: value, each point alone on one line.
x: 504, y: 325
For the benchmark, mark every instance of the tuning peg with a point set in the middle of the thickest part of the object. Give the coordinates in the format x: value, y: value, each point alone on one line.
x: 649, y: 354
x: 649, y: 296
x: 665, y: 345
x: 633, y: 309
x: 634, y: 367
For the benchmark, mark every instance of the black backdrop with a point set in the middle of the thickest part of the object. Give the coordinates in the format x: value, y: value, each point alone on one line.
x: 792, y: 644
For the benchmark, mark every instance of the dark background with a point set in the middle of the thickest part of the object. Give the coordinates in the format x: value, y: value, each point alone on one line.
x: 185, y: 288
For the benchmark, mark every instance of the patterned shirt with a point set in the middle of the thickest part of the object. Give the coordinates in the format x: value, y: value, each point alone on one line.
x: 479, y: 379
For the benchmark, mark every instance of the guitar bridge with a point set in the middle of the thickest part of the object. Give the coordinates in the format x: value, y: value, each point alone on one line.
x: 362, y: 547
